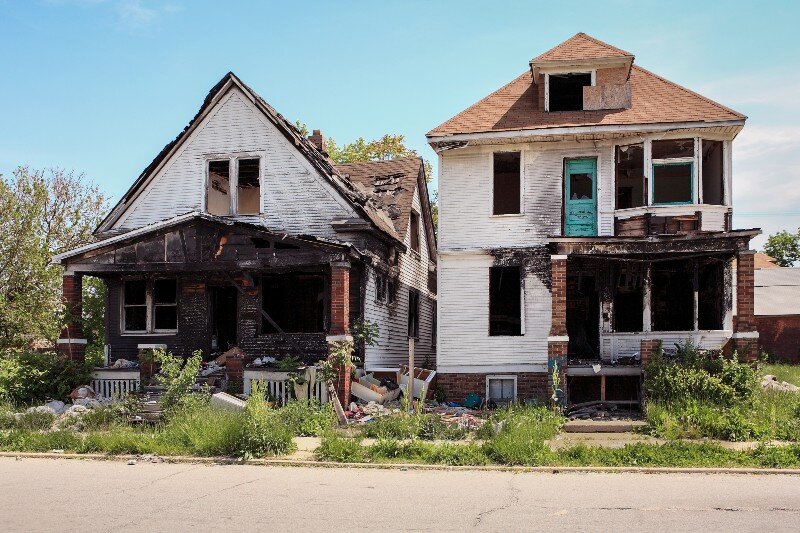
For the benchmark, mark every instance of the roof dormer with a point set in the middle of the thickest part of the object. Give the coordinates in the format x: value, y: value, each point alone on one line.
x: 583, y: 74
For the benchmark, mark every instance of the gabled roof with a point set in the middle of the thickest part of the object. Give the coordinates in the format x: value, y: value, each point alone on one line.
x: 581, y: 46
x: 314, y: 156
x: 391, y: 184
x: 518, y: 105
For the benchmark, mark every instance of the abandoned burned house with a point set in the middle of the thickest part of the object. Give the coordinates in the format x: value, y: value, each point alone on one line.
x: 242, y: 232
x: 586, y: 218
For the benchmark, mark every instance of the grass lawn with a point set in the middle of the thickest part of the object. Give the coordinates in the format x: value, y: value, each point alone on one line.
x: 783, y: 372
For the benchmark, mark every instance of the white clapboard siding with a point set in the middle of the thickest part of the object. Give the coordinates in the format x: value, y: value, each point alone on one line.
x: 289, y: 182
x: 464, y: 318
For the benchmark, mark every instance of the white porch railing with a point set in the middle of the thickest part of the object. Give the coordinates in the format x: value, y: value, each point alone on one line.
x: 115, y: 383
x: 615, y: 345
x: 277, y: 385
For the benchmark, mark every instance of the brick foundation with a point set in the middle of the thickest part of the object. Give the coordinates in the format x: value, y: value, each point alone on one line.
x: 530, y: 385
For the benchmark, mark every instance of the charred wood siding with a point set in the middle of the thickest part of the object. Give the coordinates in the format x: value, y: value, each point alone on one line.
x: 288, y: 181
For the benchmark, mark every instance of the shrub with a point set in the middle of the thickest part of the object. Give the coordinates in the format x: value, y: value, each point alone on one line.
x: 335, y: 447
x: 307, y: 419
x: 203, y: 430
x: 264, y: 432
x: 456, y: 455
x: 516, y: 435
x: 176, y: 376
x: 36, y: 420
x: 30, y: 377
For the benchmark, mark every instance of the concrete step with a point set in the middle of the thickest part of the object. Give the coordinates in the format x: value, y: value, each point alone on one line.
x: 603, y: 426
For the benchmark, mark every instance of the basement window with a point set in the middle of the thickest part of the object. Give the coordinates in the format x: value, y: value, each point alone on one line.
x: 150, y: 306
x: 672, y: 296
x: 501, y: 389
x: 413, y: 314
x: 294, y: 301
x: 565, y: 91
x: 713, y: 184
x: 506, y: 189
x: 248, y: 187
x: 414, y: 230
x: 630, y: 176
x: 505, y: 301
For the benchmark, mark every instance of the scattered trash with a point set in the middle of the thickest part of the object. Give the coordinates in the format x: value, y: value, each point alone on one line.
x: 84, y: 391
x: 131, y: 462
x: 771, y: 382
x: 264, y: 361
x: 57, y: 451
x: 472, y: 401
x: 57, y: 406
x: 365, y: 413
x: 223, y: 400
x: 463, y: 417
x: 41, y: 409
x: 124, y: 363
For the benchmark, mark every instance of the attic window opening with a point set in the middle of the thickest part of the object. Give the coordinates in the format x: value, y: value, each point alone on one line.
x: 219, y: 188
x: 565, y: 91
x: 506, y: 192
x: 233, y: 186
x: 505, y: 301
x: 248, y: 187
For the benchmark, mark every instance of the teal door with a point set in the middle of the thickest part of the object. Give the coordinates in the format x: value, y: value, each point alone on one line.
x: 580, y: 198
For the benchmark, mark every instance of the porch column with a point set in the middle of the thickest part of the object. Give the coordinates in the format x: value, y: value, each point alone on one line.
x: 745, y: 335
x: 340, y: 322
x: 558, y: 341
x: 71, y: 344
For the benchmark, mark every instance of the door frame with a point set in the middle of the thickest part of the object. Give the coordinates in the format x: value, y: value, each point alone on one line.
x: 566, y: 161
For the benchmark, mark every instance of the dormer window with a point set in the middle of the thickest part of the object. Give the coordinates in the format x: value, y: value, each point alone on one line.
x: 565, y: 91
x: 233, y: 186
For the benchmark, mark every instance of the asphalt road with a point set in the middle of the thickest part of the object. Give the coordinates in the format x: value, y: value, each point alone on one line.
x: 73, y: 495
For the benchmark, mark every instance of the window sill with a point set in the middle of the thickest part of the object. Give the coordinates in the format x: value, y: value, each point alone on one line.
x: 508, y: 215
x: 148, y: 333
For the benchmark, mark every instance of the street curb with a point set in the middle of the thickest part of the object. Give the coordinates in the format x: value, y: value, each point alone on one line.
x: 404, y: 466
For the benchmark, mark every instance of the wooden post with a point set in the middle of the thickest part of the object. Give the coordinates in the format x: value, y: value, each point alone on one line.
x: 410, y: 386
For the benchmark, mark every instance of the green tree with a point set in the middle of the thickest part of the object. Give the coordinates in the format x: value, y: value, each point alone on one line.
x: 42, y: 213
x: 784, y: 247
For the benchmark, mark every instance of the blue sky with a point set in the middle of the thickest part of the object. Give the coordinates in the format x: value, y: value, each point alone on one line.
x: 99, y: 86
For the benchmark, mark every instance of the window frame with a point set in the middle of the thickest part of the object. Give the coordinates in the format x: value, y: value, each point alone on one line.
x: 415, y: 217
x: 503, y: 377
x: 233, y: 179
x: 413, y: 333
x: 521, y: 186
x: 670, y: 163
x: 593, y: 72
x: 521, y: 333
x: 150, y: 306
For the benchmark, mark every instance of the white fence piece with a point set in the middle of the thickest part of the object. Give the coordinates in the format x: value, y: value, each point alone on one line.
x: 279, y: 388
x: 115, y: 383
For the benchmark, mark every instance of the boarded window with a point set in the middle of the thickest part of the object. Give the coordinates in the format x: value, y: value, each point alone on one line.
x: 673, y: 148
x: 219, y: 188
x: 672, y: 183
x: 710, y: 295
x: 630, y: 176
x: 566, y: 91
x: 413, y: 314
x: 165, y: 305
x: 505, y: 301
x: 295, y: 301
x: 506, y: 183
x: 248, y: 187
x: 414, y: 230
x: 713, y: 185
x: 135, y: 305
x: 672, y: 303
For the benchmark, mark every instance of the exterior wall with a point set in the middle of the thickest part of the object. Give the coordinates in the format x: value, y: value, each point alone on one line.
x: 530, y: 385
x: 779, y: 336
x: 392, y: 319
x: 289, y: 181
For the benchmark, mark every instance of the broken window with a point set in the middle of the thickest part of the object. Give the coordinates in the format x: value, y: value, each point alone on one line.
x: 672, y: 183
x: 565, y: 92
x: 506, y: 183
x: 710, y: 295
x: 248, y: 188
x: 673, y: 149
x: 413, y: 314
x: 391, y: 291
x: 294, y: 301
x: 672, y: 296
x: 505, y: 301
x: 414, y: 230
x: 628, y: 304
x: 630, y: 176
x: 380, y: 287
x: 501, y: 389
x: 713, y: 184
x: 150, y: 306
x: 219, y: 188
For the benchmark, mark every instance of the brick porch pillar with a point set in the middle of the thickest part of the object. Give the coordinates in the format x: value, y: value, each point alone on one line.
x: 647, y: 349
x: 340, y: 322
x: 745, y: 335
x: 558, y: 340
x: 71, y: 344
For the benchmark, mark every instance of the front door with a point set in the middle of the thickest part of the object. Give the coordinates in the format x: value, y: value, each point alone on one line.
x: 580, y: 198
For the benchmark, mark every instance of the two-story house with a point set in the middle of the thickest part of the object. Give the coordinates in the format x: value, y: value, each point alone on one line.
x: 242, y: 232
x: 585, y: 217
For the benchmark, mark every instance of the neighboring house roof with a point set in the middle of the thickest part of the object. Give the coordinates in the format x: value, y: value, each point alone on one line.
x: 777, y: 291
x: 391, y: 184
x: 317, y: 158
x: 654, y: 100
x: 581, y: 46
x: 762, y: 260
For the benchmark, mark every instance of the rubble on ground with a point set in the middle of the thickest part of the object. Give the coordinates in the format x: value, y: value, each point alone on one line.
x: 771, y: 382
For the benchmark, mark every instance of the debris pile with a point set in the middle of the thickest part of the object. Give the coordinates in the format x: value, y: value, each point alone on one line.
x: 463, y: 417
x: 771, y: 382
x: 600, y: 411
x: 369, y: 411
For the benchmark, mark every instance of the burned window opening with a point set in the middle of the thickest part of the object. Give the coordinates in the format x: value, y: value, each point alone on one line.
x: 150, y: 306
x: 628, y: 303
x: 506, y: 190
x: 672, y: 296
x: 219, y: 188
x: 413, y: 224
x: 380, y: 288
x: 413, y: 314
x: 248, y: 187
x: 505, y: 306
x: 566, y: 91
x: 583, y: 315
x: 295, y: 301
x: 713, y: 181
x: 710, y: 295
x: 630, y: 179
